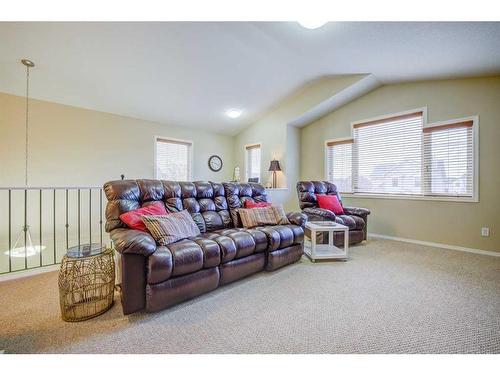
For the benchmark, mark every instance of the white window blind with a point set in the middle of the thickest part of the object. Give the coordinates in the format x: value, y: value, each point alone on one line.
x: 448, y: 159
x: 387, y: 155
x: 339, y: 164
x: 173, y: 160
x: 253, y: 161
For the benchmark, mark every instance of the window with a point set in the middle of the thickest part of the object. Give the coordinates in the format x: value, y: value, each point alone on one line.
x: 448, y: 159
x: 173, y: 160
x: 253, y: 161
x: 388, y: 155
x: 339, y: 164
x: 400, y: 155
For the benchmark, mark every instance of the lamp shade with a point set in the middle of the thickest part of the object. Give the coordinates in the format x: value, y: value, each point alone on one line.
x: 274, y: 166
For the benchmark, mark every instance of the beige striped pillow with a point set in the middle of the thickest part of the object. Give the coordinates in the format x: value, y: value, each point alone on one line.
x: 167, y: 229
x: 273, y: 215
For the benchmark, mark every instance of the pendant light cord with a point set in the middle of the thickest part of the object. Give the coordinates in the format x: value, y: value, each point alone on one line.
x: 26, y: 126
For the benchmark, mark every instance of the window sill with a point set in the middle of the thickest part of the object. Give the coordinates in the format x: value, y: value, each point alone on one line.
x: 411, y: 197
x: 277, y: 189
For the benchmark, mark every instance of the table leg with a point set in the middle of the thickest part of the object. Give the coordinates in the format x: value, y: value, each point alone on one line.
x: 346, y: 243
x: 313, y: 245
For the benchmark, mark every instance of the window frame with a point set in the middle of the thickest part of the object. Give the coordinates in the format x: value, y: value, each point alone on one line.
x: 172, y: 140
x: 338, y: 140
x: 425, y: 124
x: 475, y: 158
x: 246, y: 148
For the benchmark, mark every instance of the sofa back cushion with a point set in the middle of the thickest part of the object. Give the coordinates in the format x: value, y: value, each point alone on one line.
x: 237, y: 194
x: 205, y: 201
x: 307, y: 191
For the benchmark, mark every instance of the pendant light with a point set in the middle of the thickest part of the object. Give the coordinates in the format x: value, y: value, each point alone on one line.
x: 28, y: 249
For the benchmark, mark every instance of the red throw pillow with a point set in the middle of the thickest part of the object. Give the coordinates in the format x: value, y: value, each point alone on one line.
x: 251, y: 204
x: 133, y: 218
x: 330, y: 202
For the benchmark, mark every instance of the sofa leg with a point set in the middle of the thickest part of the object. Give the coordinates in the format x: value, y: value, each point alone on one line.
x: 365, y: 229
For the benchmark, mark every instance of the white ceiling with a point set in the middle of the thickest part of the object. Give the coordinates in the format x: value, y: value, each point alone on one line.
x: 189, y: 73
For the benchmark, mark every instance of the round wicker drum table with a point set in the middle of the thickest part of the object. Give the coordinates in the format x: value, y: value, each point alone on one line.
x: 86, y: 282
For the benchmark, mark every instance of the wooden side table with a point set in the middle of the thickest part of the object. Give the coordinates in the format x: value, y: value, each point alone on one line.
x: 86, y: 282
x: 326, y: 251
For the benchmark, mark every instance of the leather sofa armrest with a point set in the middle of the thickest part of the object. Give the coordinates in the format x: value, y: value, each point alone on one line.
x: 357, y: 211
x: 297, y: 218
x: 321, y: 214
x: 131, y: 241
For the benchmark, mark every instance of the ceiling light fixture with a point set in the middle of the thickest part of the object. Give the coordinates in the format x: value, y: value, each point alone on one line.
x: 311, y: 24
x: 233, y: 113
x: 27, y: 249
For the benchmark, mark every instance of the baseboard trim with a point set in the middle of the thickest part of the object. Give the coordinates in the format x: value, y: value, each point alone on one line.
x: 436, y: 244
x: 30, y: 272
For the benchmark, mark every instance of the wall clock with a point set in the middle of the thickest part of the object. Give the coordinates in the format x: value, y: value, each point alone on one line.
x: 215, y: 163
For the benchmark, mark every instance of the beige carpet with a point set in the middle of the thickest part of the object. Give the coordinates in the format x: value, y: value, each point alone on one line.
x: 391, y: 297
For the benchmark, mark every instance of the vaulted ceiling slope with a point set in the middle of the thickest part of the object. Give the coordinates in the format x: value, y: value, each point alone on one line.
x: 189, y: 73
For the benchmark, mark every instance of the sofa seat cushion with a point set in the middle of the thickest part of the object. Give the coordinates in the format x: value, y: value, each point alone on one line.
x: 159, y: 265
x: 181, y: 258
x: 237, y: 243
x: 351, y: 221
x: 246, y: 242
x: 281, y: 236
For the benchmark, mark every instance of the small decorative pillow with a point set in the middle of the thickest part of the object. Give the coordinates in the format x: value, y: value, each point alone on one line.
x: 167, y: 229
x: 331, y: 203
x: 252, y: 217
x: 133, y: 218
x: 235, y: 217
x: 251, y: 204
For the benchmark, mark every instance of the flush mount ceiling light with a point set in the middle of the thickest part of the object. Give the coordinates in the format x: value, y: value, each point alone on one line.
x: 312, y: 24
x: 233, y: 113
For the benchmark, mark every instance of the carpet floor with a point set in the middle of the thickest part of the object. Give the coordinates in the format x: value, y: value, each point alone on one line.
x: 390, y: 297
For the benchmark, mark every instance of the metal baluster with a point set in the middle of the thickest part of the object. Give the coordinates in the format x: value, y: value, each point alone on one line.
x: 67, y: 225
x: 10, y: 230
x: 54, y: 229
x: 100, y: 213
x: 90, y: 215
x: 41, y: 262
x: 78, y: 219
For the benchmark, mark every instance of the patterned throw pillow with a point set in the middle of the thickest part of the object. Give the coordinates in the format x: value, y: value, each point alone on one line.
x: 252, y: 217
x: 167, y: 229
x: 235, y: 217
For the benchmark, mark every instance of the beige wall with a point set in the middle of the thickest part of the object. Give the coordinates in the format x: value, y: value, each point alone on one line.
x: 282, y: 142
x: 74, y: 146
x: 443, y: 222
x: 71, y: 146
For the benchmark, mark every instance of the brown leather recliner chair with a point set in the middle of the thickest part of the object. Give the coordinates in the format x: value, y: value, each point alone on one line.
x: 355, y: 218
x: 155, y: 277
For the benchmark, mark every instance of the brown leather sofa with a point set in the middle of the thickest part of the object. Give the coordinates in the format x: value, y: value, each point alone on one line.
x: 155, y: 277
x: 355, y: 218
